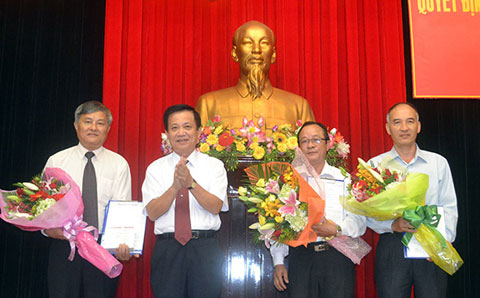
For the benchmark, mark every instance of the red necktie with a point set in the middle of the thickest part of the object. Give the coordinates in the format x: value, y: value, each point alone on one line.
x: 183, y: 229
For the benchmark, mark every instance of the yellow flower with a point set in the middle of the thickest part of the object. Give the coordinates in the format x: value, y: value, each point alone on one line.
x: 204, y: 148
x: 212, y: 140
x: 240, y: 146
x: 282, y: 147
x: 258, y: 153
x: 263, y: 205
x: 253, y: 145
x: 218, y: 130
x: 292, y: 142
x: 285, y: 126
x: 261, y: 182
x: 242, y: 190
x: 271, y: 206
x: 278, y: 219
x: 267, y: 226
x: 368, y: 177
x: 220, y: 148
x: 279, y: 138
x: 271, y: 198
x: 261, y: 220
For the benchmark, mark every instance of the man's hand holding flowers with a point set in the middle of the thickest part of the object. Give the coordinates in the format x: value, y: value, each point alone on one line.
x: 402, y: 225
x: 325, y: 228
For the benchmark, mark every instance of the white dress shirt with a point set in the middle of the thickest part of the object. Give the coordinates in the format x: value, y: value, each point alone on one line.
x: 111, y: 169
x: 441, y: 191
x: 207, y: 171
x: 352, y: 225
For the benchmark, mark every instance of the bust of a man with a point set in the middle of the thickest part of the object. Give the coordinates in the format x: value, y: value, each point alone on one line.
x: 253, y: 96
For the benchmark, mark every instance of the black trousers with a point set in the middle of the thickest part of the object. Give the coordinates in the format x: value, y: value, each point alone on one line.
x: 77, y: 278
x: 395, y: 275
x: 190, y: 271
x: 324, y: 274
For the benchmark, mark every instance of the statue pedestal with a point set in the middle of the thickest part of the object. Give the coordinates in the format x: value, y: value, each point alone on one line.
x: 238, y: 177
x: 247, y: 266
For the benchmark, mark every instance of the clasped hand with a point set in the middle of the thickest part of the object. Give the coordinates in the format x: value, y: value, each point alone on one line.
x: 182, y: 177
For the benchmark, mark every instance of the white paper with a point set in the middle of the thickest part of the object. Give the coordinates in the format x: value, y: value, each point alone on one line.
x: 124, y: 223
x: 333, y: 209
x: 415, y: 250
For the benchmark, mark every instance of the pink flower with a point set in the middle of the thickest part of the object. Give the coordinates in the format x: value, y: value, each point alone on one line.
x: 266, y: 235
x: 261, y: 121
x: 216, y: 118
x: 359, y: 191
x: 299, y: 123
x: 291, y: 204
x: 343, y: 149
x: 272, y: 187
x: 332, y: 141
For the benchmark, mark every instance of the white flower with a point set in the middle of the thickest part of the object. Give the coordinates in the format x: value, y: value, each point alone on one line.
x: 297, y: 222
x: 21, y: 214
x: 343, y: 149
x: 44, y: 205
x: 370, y: 170
x: 30, y: 186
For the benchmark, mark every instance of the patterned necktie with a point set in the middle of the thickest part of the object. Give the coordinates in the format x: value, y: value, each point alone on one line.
x: 89, y: 192
x: 183, y: 229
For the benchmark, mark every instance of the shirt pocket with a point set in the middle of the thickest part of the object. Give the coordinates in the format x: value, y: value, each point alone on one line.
x: 105, y: 190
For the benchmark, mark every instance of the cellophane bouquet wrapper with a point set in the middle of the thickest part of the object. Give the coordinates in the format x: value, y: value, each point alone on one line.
x: 390, y: 203
x: 442, y: 253
x: 67, y: 213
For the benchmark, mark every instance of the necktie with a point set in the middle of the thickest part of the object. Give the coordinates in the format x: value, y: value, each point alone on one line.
x: 89, y: 192
x: 183, y: 229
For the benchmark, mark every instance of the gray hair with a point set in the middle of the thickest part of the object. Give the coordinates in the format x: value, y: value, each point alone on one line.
x: 92, y: 107
x: 399, y: 104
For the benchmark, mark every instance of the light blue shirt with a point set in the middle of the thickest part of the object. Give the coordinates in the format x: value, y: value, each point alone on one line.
x: 441, y: 191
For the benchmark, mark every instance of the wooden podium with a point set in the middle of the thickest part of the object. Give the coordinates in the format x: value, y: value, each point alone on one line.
x: 248, y: 267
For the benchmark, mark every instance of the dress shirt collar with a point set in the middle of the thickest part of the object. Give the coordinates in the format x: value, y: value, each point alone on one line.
x: 419, y: 155
x: 82, y: 150
x: 192, y: 158
x: 243, y: 90
x: 327, y: 172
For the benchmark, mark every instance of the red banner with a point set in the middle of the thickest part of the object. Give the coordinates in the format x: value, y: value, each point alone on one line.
x: 445, y: 41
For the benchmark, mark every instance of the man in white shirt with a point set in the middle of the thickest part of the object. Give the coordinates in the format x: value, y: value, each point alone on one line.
x: 183, y: 193
x: 394, y: 274
x: 319, y: 270
x: 113, y: 182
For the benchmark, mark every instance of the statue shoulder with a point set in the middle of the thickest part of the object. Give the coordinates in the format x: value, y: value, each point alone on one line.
x: 221, y: 93
x: 279, y: 93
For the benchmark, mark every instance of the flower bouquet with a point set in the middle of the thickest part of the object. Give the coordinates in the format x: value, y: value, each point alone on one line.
x: 389, y: 193
x: 279, y: 144
x: 338, y: 150
x: 285, y: 204
x: 51, y: 201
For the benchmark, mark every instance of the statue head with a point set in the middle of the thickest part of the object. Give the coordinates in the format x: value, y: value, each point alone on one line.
x: 254, y: 50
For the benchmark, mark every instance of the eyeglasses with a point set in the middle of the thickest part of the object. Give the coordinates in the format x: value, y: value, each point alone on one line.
x: 314, y: 141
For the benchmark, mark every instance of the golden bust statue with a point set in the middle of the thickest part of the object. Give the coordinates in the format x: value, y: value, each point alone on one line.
x: 253, y: 96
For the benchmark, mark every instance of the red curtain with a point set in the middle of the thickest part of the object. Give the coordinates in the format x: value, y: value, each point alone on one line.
x: 345, y: 56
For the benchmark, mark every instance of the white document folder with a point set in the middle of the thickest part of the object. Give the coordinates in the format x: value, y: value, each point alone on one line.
x: 124, y: 223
